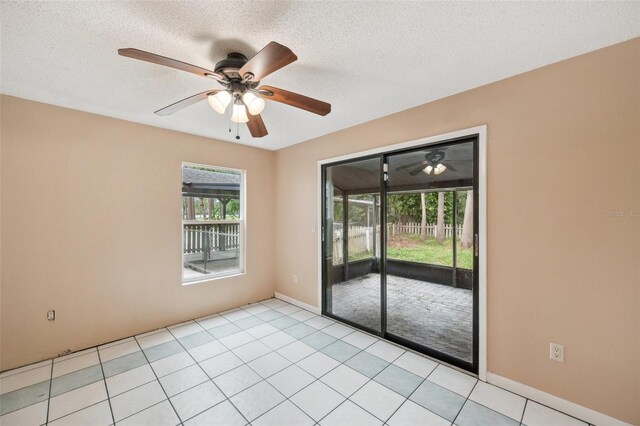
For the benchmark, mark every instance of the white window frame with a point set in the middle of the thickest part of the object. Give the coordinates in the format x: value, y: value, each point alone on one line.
x: 242, y: 224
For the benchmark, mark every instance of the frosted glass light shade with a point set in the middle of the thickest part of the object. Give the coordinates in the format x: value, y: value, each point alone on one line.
x: 427, y: 170
x: 239, y: 114
x: 219, y: 101
x: 440, y: 168
x: 255, y: 104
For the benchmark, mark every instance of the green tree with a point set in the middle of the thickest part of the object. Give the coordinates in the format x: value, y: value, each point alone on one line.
x: 440, y: 218
x: 466, y: 239
x: 404, y: 207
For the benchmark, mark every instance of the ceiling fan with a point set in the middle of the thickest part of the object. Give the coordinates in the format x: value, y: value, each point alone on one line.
x: 240, y: 78
x: 433, y: 163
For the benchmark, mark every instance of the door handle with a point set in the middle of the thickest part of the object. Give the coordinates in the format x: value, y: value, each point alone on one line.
x: 475, y: 244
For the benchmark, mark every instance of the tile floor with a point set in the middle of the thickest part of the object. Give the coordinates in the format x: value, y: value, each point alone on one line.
x: 268, y: 363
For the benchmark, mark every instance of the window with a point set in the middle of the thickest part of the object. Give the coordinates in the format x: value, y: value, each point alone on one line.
x: 212, y: 222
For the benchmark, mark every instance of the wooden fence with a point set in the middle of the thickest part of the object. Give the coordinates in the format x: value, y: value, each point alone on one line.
x: 360, y: 242
x: 211, y: 236
x: 415, y: 229
x: 361, y: 238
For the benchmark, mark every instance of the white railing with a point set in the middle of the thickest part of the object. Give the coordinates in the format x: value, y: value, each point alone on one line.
x: 201, y: 236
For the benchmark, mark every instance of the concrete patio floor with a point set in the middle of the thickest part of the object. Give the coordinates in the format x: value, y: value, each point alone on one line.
x: 434, y: 315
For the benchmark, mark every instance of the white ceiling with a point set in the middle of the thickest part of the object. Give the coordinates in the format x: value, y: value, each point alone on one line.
x: 367, y: 58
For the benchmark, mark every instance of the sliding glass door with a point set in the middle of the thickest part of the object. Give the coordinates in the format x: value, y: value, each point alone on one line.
x: 399, y: 247
x: 352, y: 242
x: 430, y: 262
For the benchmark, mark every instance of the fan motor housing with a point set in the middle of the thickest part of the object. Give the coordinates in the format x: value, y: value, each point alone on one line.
x: 231, y: 67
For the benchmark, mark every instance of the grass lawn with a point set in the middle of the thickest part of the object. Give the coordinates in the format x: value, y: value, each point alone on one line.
x: 414, y: 249
x: 360, y: 256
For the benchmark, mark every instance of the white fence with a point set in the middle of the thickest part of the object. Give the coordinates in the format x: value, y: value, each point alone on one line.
x: 361, y: 238
x: 360, y: 242
x: 415, y: 229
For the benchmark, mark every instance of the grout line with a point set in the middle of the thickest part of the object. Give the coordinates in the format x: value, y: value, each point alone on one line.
x: 304, y: 387
x: 32, y: 366
x: 144, y: 409
x: 49, y: 395
x: 292, y: 363
x: 32, y: 403
x: 244, y: 363
x: 551, y: 408
x: 80, y: 409
x: 104, y: 379
x: 157, y: 380
x: 417, y: 387
x: 466, y: 400
x: 329, y: 386
x: 151, y: 381
x: 489, y: 408
x: 269, y: 384
x: 205, y: 373
x: 370, y: 379
x: 295, y: 363
x: 408, y: 399
x: 210, y: 379
x: 156, y: 331
x: 526, y: 401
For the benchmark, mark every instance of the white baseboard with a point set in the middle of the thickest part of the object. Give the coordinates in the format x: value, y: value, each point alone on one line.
x: 557, y: 403
x: 298, y: 303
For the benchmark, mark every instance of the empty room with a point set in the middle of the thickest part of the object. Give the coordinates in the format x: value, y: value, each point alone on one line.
x: 333, y: 213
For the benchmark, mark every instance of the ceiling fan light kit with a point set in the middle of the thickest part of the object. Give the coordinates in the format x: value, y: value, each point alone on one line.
x: 219, y: 101
x: 240, y: 78
x: 255, y: 104
x: 239, y: 114
x: 433, y: 163
x: 438, y: 169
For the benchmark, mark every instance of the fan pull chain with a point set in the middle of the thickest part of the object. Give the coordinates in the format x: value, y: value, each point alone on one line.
x: 237, y: 131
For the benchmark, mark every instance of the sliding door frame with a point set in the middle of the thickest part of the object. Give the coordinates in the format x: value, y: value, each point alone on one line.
x: 405, y: 341
x: 345, y: 255
x: 480, y: 326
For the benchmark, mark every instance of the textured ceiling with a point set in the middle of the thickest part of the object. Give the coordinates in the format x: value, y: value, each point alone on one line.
x: 367, y: 58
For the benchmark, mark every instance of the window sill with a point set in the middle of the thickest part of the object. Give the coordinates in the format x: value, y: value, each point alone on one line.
x: 213, y: 278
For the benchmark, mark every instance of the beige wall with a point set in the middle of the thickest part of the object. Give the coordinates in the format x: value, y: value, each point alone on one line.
x: 563, y: 147
x: 91, y: 226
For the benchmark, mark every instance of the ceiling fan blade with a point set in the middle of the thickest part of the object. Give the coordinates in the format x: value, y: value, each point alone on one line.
x: 256, y: 126
x: 295, y: 100
x: 271, y: 58
x: 408, y: 166
x: 177, y: 106
x: 450, y: 167
x: 168, y: 62
x: 416, y: 171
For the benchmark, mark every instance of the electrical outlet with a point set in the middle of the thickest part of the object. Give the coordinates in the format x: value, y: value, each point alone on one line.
x: 556, y: 352
x: 294, y: 278
x: 51, y: 315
